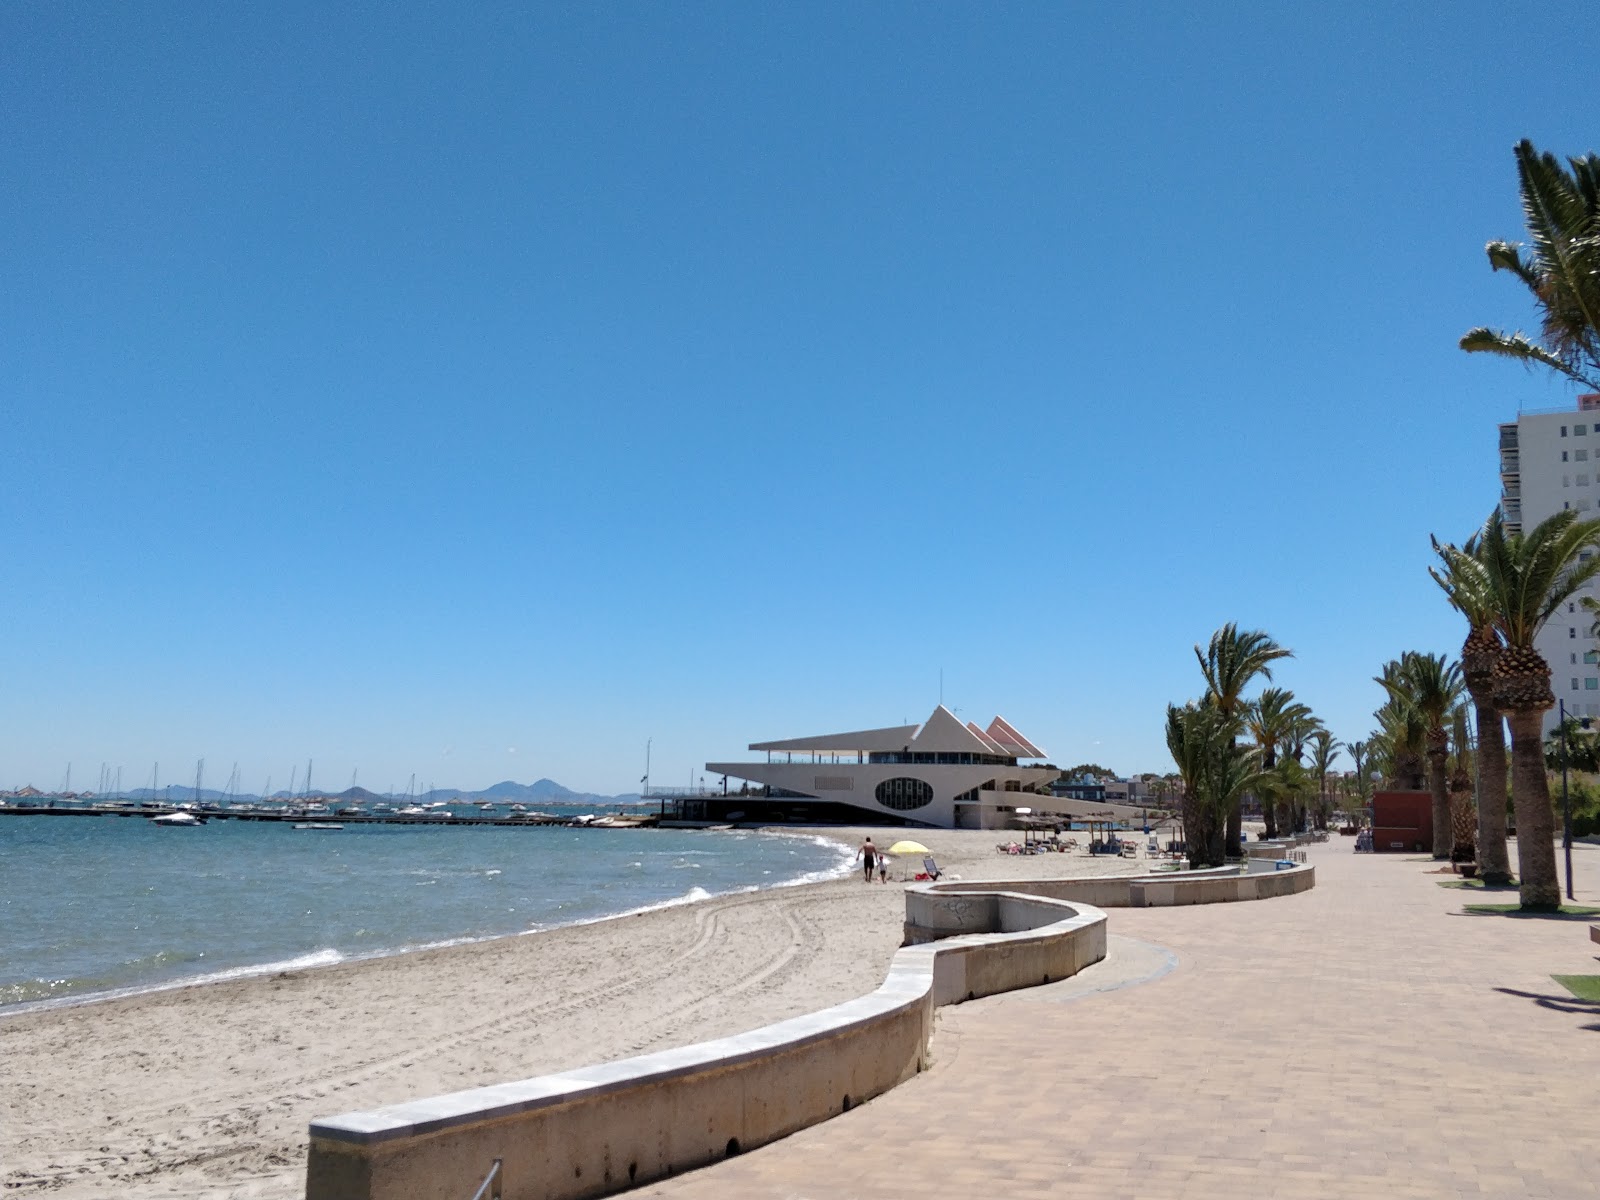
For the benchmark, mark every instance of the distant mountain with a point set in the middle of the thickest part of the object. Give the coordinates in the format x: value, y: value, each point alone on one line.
x: 543, y: 791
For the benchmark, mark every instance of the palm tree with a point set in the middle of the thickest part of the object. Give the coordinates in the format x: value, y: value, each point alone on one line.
x: 1562, y: 211
x: 1433, y: 687
x: 1324, y: 749
x: 1463, y: 818
x: 1399, y: 746
x: 1267, y: 719
x: 1230, y: 663
x: 1214, y: 771
x: 1462, y: 576
x: 1363, y: 784
x: 1530, y: 576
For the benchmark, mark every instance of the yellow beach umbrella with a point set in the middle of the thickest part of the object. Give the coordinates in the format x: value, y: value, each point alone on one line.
x: 908, y: 848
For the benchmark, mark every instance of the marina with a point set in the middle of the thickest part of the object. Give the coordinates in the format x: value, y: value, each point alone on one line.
x: 313, y: 817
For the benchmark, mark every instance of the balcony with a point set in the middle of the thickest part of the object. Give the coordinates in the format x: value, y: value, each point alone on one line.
x: 1511, y: 495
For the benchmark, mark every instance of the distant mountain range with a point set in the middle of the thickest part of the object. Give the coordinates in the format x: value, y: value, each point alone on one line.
x: 542, y: 791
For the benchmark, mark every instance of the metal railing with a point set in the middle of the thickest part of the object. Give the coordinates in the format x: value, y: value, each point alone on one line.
x: 491, y: 1180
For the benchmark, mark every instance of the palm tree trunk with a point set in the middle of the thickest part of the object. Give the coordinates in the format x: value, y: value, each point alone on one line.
x: 1443, y: 829
x: 1269, y: 813
x: 1494, y: 864
x: 1536, y: 822
x: 1235, y: 830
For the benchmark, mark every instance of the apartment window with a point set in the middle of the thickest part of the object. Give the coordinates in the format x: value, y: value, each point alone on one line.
x: 1574, y: 657
x: 1564, y: 504
x: 1574, y: 684
x: 1566, y: 481
x: 1563, y: 431
x: 1591, y: 684
x: 1591, y: 657
x: 1580, y: 430
x: 1563, y: 456
x: 1581, y: 456
x: 1572, y: 631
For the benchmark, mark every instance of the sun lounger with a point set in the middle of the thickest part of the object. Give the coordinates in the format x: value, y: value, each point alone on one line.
x: 931, y: 867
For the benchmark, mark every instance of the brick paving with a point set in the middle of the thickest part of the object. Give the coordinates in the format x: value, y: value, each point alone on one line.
x: 1362, y: 1039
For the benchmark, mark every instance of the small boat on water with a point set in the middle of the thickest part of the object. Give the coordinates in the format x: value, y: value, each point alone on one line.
x: 184, y: 819
x: 319, y: 826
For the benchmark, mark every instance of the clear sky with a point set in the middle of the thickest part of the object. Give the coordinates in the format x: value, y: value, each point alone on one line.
x: 480, y: 390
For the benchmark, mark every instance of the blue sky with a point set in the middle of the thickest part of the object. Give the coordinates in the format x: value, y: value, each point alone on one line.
x: 478, y: 392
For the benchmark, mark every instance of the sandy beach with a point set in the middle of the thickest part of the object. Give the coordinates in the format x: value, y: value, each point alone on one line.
x: 207, y: 1090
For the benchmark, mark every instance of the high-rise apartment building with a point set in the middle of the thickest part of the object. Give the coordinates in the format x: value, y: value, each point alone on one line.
x: 1550, y: 461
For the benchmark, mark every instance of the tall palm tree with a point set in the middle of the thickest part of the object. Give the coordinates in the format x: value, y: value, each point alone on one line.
x: 1562, y: 212
x: 1530, y: 576
x: 1433, y: 686
x: 1230, y: 663
x: 1215, y: 773
x: 1324, y: 749
x: 1463, y: 818
x: 1464, y: 579
x: 1267, y: 719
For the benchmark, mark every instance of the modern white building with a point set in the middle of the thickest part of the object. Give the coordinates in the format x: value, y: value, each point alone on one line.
x: 940, y: 773
x: 1550, y: 462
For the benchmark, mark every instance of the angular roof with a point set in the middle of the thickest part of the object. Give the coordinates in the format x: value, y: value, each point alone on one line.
x: 896, y: 737
x: 1001, y: 733
x: 945, y: 734
x: 941, y: 733
x: 984, y: 738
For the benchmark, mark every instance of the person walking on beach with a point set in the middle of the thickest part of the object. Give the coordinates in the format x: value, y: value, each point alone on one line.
x: 883, y: 868
x: 868, y: 854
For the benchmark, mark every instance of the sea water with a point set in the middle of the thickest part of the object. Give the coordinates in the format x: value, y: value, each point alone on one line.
x: 91, y: 906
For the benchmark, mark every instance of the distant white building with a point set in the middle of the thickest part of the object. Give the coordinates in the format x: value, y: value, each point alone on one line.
x: 1550, y: 462
x: 941, y: 773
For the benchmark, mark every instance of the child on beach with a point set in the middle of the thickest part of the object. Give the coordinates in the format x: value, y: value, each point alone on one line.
x: 883, y: 868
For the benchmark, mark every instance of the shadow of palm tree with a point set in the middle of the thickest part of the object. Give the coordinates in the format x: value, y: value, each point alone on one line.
x: 1565, y: 1003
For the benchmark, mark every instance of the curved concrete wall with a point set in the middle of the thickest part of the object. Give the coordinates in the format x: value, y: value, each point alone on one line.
x: 938, y: 910
x: 600, y: 1129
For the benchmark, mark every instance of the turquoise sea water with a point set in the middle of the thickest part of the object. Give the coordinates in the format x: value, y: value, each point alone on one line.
x: 95, y: 905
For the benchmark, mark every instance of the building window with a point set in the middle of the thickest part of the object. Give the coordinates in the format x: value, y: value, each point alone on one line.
x: 1581, y: 456
x: 1572, y: 631
x: 1563, y: 431
x: 1571, y: 607
x: 1591, y: 684
x: 903, y: 794
x: 1591, y: 656
x: 1579, y: 431
x: 1563, y: 456
x: 1574, y: 685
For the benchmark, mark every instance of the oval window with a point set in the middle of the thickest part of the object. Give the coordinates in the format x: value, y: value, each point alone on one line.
x: 902, y: 793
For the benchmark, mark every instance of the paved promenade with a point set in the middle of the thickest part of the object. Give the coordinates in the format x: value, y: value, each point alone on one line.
x: 1363, y: 1039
